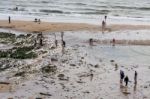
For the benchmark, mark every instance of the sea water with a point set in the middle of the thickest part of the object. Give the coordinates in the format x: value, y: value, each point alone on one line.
x: 84, y: 11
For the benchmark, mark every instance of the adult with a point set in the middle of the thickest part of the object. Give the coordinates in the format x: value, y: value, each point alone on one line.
x: 126, y: 80
x: 135, y: 77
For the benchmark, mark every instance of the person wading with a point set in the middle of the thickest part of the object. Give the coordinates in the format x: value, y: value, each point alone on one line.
x: 126, y: 80
x: 135, y: 77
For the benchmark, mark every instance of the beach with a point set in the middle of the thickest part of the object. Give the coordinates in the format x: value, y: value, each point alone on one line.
x: 57, y: 50
x: 35, y: 27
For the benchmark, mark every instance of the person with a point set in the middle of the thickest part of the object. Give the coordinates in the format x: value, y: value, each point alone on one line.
x: 56, y: 43
x: 91, y: 41
x: 135, y: 77
x: 105, y: 18
x: 121, y: 76
x: 35, y: 20
x: 62, y: 35
x: 9, y: 19
x: 126, y: 80
x: 63, y: 43
x: 16, y: 8
x: 39, y: 21
x: 41, y: 42
x: 103, y: 26
x: 91, y: 75
x: 113, y: 41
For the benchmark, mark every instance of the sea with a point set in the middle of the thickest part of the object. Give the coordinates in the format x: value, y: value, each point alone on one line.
x: 84, y: 11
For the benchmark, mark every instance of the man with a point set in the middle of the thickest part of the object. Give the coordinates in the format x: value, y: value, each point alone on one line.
x: 135, y: 77
x: 9, y: 19
x: 121, y: 76
x: 113, y: 41
x: 103, y: 26
x: 105, y: 18
x: 126, y: 80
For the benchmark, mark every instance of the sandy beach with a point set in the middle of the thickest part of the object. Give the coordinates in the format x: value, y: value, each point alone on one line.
x: 35, y: 27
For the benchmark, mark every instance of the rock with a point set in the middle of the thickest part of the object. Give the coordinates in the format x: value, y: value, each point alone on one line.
x: 4, y: 83
x: 38, y: 98
x: 10, y: 98
x: 45, y: 94
x: 72, y: 65
x: 112, y: 61
x: 61, y: 75
x: 82, y: 57
x: 145, y: 87
x: 54, y: 59
x: 20, y: 74
x: 49, y: 69
x: 96, y: 66
x: 86, y: 92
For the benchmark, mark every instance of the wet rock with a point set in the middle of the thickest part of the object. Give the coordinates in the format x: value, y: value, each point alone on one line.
x: 54, y: 59
x: 86, y: 92
x: 45, y: 94
x: 49, y: 69
x: 6, y: 83
x: 72, y: 65
x: 62, y: 77
x: 112, y: 61
x: 20, y: 74
x: 96, y: 66
x: 80, y: 82
x: 145, y: 86
x: 82, y: 57
x: 10, y: 98
x: 64, y: 60
x: 38, y: 98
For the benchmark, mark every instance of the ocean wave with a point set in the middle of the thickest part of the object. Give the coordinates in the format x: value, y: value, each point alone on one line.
x: 50, y: 11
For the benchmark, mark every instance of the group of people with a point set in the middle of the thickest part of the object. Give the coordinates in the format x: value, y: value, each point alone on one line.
x: 37, y: 20
x: 126, y: 79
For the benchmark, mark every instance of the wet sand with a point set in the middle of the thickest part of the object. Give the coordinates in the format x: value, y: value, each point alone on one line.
x: 33, y: 27
x: 125, y: 42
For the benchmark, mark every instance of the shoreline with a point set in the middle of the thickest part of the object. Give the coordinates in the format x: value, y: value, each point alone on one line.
x: 35, y: 27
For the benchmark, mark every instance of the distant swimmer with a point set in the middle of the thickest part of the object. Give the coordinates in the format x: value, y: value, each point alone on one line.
x: 9, y: 19
x: 16, y: 8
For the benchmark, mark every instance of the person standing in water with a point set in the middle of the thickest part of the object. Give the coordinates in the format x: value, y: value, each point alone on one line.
x: 113, y: 42
x: 121, y: 76
x: 135, y: 77
x: 126, y: 80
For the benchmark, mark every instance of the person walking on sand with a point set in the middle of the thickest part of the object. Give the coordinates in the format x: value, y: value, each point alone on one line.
x: 121, y: 76
x: 105, y: 18
x: 135, y: 78
x: 126, y: 80
x: 103, y: 26
x: 9, y: 19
